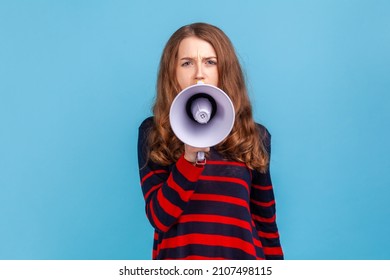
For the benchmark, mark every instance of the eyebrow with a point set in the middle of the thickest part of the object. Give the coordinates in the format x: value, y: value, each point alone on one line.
x: 195, y: 58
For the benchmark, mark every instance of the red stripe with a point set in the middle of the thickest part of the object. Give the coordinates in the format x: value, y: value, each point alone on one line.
x: 263, y: 204
x: 219, y: 220
x: 168, y: 206
x: 204, y: 218
x: 226, y: 180
x: 262, y: 188
x: 264, y: 220
x: 156, y: 221
x: 184, y: 195
x: 221, y: 162
x: 154, y: 254
x: 154, y: 172
x: 220, y: 198
x: 268, y: 234
x: 210, y: 240
x: 273, y: 251
x: 152, y: 189
x: 189, y: 171
x: 257, y: 243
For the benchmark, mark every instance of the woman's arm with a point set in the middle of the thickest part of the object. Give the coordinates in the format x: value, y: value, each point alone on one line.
x: 166, y: 190
x: 263, y: 208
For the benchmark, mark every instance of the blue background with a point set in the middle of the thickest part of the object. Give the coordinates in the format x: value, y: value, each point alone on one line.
x: 78, y: 77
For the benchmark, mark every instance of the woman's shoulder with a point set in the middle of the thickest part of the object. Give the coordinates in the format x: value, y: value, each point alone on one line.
x: 145, y: 128
x: 264, y: 132
x: 146, y: 123
x: 265, y: 135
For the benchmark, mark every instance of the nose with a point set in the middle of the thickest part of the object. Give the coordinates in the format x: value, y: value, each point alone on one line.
x: 199, y: 75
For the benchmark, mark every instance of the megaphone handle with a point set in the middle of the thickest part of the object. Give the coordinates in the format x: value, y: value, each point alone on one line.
x: 200, y: 158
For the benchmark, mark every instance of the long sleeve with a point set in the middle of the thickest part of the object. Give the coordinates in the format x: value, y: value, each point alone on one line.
x: 263, y: 209
x: 166, y: 189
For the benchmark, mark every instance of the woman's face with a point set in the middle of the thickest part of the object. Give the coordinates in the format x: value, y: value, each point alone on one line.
x: 197, y: 61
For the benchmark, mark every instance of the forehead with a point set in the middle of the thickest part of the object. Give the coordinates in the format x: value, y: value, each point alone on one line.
x: 194, y: 47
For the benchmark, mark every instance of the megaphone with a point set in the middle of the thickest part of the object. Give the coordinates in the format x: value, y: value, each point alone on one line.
x: 202, y: 116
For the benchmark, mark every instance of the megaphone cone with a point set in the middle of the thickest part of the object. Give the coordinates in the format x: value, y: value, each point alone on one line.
x: 202, y: 115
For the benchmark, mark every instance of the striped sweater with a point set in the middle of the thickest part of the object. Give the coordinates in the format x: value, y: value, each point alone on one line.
x: 220, y: 211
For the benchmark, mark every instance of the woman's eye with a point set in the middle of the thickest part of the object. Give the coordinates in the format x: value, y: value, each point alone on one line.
x: 211, y: 62
x: 186, y: 63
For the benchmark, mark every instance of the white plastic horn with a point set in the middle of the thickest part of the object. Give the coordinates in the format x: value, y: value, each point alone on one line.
x: 202, y: 116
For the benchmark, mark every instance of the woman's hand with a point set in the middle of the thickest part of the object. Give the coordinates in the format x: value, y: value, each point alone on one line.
x: 190, y: 153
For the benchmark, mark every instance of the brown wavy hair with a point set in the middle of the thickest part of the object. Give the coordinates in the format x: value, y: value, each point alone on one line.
x: 244, y: 143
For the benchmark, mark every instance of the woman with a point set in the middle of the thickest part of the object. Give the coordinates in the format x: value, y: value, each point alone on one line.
x: 224, y: 209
